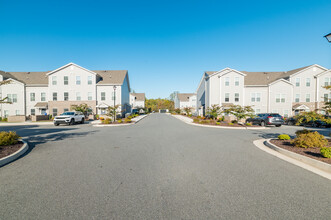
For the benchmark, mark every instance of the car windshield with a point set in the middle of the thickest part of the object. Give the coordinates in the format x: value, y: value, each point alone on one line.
x: 68, y: 113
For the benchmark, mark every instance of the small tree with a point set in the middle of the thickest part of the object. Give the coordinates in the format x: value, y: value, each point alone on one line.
x: 327, y: 103
x: 214, y: 111
x: 112, y: 110
x: 188, y: 110
x: 84, y: 108
x: 239, y: 111
x: 308, y: 116
x: 177, y: 110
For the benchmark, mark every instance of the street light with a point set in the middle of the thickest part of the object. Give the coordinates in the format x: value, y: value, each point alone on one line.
x: 114, y: 103
x: 328, y: 37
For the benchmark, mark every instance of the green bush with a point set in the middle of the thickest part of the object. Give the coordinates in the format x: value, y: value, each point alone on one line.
x: 106, y: 121
x: 234, y: 121
x: 310, y: 139
x: 97, y: 116
x: 304, y: 131
x: 284, y: 137
x: 129, y: 117
x: 231, y: 123
x: 196, y: 120
x: 8, y: 138
x: 119, y: 121
x: 218, y: 123
x: 50, y: 117
x: 248, y: 124
x: 127, y: 120
x: 326, y: 152
x: 5, y: 119
x: 204, y: 121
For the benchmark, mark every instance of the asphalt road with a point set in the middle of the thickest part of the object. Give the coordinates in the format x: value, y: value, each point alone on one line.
x: 160, y: 168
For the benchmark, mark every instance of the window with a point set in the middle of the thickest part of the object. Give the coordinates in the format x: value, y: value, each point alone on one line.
x: 6, y: 113
x: 17, y: 112
x: 54, y: 112
x: 236, y: 81
x: 297, y: 82
x: 43, y: 97
x: 255, y: 97
x: 236, y: 97
x: 33, y: 111
x: 32, y: 97
x: 277, y: 98
x: 326, y: 81
x: 308, y: 82
x: 103, y: 96
x: 66, y: 96
x: 257, y: 111
x: 65, y: 80
x: 9, y: 98
x: 14, y: 98
x: 77, y: 80
x: 283, y: 98
x: 78, y: 98
x: 89, y: 80
x: 54, y: 80
x: 227, y: 81
x: 65, y: 110
x: 54, y: 96
x: 326, y: 97
x: 286, y: 113
x: 89, y: 96
x: 307, y: 97
x: 227, y: 97
x: 297, y: 97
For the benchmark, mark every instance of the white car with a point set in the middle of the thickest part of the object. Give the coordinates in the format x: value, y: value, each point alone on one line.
x: 69, y: 118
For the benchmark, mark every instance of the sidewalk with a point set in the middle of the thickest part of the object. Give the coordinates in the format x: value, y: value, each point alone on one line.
x: 135, y: 120
x: 26, y: 123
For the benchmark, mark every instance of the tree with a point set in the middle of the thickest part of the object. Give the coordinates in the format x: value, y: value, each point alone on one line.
x: 84, y: 108
x: 239, y: 111
x: 308, y: 116
x: 214, y: 111
x: 112, y: 111
x: 157, y: 104
x: 327, y: 104
x: 173, y: 95
x: 188, y: 110
x: 177, y: 110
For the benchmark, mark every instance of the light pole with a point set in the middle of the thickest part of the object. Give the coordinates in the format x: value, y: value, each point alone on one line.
x: 328, y: 37
x: 114, y: 103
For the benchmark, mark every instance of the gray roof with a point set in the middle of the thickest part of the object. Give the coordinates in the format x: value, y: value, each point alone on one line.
x: 41, y: 78
x: 139, y: 96
x: 184, y: 97
x: 264, y: 78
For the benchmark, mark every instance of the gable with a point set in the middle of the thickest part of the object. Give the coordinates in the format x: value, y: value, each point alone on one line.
x: 70, y: 66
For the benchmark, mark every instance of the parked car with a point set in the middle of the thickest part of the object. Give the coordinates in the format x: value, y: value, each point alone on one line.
x: 267, y: 119
x: 69, y: 118
x: 290, y: 121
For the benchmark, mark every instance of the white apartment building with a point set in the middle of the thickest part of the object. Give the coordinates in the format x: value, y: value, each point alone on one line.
x: 183, y: 100
x: 137, y: 100
x: 286, y: 93
x: 54, y: 92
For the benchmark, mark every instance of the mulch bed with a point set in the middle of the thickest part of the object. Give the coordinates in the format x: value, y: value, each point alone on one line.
x: 8, y: 150
x: 308, y: 152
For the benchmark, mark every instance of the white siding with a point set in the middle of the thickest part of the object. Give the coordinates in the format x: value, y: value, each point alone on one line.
x: 281, y: 88
x: 30, y: 104
x: 16, y: 88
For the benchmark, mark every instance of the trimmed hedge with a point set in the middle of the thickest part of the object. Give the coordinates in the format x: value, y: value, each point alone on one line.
x: 8, y: 138
x: 310, y: 139
x: 284, y: 137
x: 326, y: 152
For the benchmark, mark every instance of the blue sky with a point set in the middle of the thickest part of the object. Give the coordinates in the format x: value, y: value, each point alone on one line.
x: 165, y: 45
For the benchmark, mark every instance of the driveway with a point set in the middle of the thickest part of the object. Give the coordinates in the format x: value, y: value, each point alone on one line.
x: 160, y: 168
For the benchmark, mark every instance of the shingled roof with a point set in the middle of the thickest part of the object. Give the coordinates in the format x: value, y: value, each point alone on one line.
x: 184, y: 97
x: 264, y: 78
x: 139, y: 96
x: 41, y: 78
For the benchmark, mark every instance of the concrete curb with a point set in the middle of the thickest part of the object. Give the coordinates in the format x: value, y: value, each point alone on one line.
x: 24, y: 123
x: 190, y: 122
x: 117, y: 125
x: 315, y: 166
x: 14, y: 156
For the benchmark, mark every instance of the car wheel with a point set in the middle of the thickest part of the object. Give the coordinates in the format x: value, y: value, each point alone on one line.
x: 278, y: 125
x: 56, y: 124
x: 82, y: 121
x: 72, y: 122
x: 262, y: 123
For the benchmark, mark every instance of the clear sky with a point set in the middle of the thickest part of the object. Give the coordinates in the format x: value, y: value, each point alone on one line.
x: 165, y: 45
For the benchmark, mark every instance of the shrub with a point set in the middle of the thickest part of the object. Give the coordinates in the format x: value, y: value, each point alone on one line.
x: 106, y: 121
x: 284, y: 137
x: 129, y: 117
x: 204, y: 121
x: 50, y: 117
x: 199, y: 116
x: 248, y: 124
x: 218, y: 123
x: 8, y: 138
x: 5, y: 119
x: 304, y: 131
x: 119, y: 121
x: 234, y: 121
x: 310, y: 139
x: 230, y: 123
x: 326, y: 152
x: 220, y: 119
x: 196, y: 120
x: 189, y: 115
x: 127, y: 120
x: 102, y: 118
x: 97, y: 116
